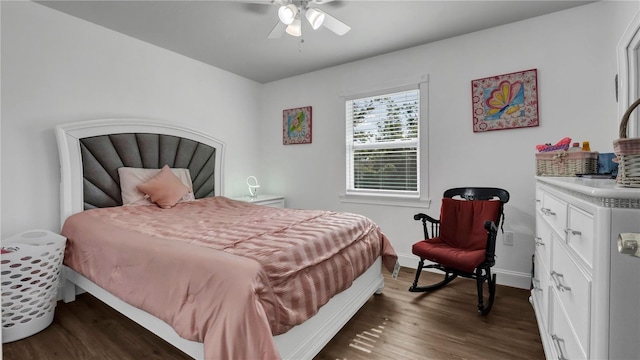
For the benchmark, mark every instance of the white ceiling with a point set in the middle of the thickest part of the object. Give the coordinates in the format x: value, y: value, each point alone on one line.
x: 232, y: 35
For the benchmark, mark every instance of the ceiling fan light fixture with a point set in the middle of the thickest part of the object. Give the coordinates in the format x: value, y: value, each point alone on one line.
x: 315, y: 17
x: 295, y: 28
x: 287, y: 13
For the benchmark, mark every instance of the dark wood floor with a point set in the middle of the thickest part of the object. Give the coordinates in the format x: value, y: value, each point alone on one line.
x: 394, y: 325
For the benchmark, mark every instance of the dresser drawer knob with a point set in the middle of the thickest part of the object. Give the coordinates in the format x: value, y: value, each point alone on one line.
x: 556, y: 278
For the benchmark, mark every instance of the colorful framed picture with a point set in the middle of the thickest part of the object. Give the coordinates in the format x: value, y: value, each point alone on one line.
x: 296, y: 126
x: 506, y: 101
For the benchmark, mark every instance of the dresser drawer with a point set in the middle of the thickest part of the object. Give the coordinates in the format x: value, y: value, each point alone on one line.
x: 554, y: 212
x: 563, y: 338
x: 543, y: 241
x: 539, y: 196
x: 541, y: 290
x: 573, y: 289
x: 580, y: 232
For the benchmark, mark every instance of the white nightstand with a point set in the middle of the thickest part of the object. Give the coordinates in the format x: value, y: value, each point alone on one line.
x: 267, y: 200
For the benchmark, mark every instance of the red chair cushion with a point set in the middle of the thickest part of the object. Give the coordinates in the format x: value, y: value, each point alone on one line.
x: 463, y: 238
x: 439, y: 252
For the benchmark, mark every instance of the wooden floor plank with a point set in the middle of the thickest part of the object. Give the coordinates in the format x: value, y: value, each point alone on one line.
x: 397, y: 325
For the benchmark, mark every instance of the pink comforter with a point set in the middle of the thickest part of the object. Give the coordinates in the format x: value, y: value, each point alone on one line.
x: 223, y: 272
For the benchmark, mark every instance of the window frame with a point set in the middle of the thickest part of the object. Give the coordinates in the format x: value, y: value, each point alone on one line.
x: 390, y: 197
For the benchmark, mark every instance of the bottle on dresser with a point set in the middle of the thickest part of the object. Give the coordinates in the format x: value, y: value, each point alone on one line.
x: 575, y: 148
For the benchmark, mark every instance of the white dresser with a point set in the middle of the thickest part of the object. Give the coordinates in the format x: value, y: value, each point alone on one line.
x: 586, y: 295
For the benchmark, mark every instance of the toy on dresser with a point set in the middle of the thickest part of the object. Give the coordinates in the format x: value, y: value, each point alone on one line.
x: 561, y: 160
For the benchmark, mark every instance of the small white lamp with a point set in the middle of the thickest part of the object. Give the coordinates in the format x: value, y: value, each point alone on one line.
x: 252, y: 182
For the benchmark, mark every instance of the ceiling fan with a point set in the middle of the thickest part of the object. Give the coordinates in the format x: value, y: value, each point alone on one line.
x: 290, y: 16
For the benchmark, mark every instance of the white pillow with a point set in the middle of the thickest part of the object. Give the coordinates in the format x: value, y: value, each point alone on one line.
x: 130, y: 178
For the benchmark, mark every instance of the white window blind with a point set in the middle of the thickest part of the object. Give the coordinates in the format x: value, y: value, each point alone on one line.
x: 383, y: 144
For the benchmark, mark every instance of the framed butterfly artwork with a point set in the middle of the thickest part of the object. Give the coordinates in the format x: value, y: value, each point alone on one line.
x: 506, y: 101
x: 296, y: 126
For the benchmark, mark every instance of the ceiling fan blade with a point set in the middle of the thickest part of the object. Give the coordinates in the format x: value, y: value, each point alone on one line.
x: 277, y: 30
x: 257, y: 8
x: 335, y: 25
x: 266, y: 2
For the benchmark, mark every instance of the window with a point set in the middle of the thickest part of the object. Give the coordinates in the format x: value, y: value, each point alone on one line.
x: 383, y: 138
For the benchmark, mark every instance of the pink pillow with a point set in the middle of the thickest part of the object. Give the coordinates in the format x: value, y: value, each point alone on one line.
x: 164, y: 189
x: 130, y: 178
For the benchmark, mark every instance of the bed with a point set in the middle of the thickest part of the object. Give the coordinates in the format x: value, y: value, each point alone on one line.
x: 91, y: 152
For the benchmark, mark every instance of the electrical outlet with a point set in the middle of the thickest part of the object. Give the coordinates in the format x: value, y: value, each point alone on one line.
x: 507, y: 238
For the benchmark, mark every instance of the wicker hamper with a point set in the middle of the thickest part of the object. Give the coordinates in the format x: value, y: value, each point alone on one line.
x: 563, y: 163
x: 628, y: 153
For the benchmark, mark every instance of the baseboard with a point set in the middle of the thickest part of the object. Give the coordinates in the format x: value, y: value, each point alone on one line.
x: 408, y: 261
x: 503, y: 277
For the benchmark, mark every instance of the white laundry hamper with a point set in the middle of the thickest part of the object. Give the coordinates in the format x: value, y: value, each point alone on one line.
x: 31, y: 263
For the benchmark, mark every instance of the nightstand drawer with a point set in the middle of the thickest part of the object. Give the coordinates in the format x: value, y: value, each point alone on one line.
x: 265, y: 200
x: 279, y: 203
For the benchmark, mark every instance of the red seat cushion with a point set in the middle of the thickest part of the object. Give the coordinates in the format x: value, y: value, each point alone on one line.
x: 463, y: 238
x: 439, y: 252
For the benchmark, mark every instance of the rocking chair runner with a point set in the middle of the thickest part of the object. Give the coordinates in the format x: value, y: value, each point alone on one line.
x: 463, y: 241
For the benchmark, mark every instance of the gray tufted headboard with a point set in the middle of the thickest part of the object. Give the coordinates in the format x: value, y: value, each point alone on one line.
x: 103, y: 155
x: 92, y: 151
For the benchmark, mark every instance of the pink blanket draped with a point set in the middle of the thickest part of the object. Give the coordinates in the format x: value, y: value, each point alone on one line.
x: 223, y: 272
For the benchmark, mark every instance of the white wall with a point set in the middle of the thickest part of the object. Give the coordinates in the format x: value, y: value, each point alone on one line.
x: 575, y: 54
x: 58, y: 69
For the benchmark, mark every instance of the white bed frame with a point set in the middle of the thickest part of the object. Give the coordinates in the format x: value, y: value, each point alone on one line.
x: 301, y: 342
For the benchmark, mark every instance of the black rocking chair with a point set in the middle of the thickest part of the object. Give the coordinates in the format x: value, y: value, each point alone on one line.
x: 463, y: 241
